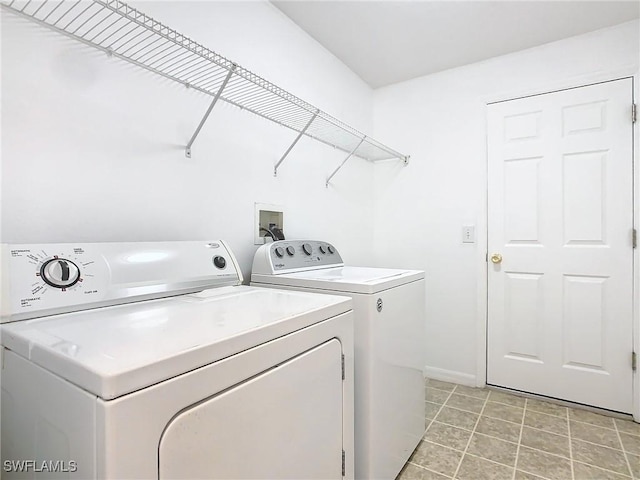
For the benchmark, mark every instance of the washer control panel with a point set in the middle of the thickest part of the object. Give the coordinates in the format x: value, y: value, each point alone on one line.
x: 47, y: 279
x: 302, y: 254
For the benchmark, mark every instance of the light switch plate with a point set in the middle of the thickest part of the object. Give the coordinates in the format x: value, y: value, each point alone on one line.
x: 468, y: 234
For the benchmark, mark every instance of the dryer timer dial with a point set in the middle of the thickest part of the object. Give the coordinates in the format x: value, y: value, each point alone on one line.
x: 60, y: 273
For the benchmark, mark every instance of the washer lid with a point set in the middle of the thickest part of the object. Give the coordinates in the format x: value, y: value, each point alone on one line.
x: 344, y: 279
x: 116, y: 350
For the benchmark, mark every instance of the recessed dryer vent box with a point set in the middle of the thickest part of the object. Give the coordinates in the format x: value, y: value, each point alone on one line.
x: 267, y: 216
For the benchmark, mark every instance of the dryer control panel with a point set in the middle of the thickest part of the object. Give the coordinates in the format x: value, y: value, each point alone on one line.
x: 47, y: 279
x: 295, y: 255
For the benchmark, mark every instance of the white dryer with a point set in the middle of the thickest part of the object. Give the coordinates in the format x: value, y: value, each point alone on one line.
x: 389, y: 308
x: 213, y: 380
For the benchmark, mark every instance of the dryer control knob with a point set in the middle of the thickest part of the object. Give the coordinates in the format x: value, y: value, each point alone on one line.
x: 322, y: 249
x: 290, y: 250
x: 331, y: 249
x: 219, y: 262
x: 279, y: 252
x: 60, y: 273
x: 306, y: 248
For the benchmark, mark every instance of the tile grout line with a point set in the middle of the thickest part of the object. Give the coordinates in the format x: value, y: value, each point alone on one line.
x: 486, y: 400
x: 486, y: 459
x: 439, y: 409
x: 429, y: 470
x: 469, y: 411
x: 431, y: 422
x: 624, y: 451
x: 536, y: 474
x: 584, y: 422
x: 596, y: 425
x: 515, y: 465
x: 567, y: 408
x: 600, y: 467
x: 573, y: 473
x: 518, y: 407
x: 426, y: 387
x: 434, y: 417
x: 534, y: 428
x: 601, y: 445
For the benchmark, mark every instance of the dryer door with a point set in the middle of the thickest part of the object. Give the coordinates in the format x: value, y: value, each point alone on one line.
x: 285, y: 423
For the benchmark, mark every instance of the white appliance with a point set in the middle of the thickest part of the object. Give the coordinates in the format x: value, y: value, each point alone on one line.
x: 232, y: 382
x: 389, y: 308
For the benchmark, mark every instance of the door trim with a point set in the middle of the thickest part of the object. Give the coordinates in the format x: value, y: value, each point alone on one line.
x: 482, y: 234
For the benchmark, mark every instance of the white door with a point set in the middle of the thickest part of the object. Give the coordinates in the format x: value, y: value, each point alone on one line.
x: 561, y: 216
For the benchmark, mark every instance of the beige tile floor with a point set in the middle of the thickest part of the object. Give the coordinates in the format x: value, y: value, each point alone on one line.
x: 478, y: 434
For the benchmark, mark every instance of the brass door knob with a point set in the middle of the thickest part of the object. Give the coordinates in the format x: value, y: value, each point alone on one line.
x: 496, y: 258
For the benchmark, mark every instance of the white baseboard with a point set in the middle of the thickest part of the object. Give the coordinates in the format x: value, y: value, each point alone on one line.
x: 451, y: 376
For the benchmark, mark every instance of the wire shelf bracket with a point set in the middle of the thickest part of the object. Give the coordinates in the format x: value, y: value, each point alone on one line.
x: 187, y: 151
x: 302, y: 132
x: 343, y: 162
x: 126, y: 33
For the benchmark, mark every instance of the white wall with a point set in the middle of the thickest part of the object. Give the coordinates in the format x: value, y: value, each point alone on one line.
x: 440, y: 121
x: 93, y: 147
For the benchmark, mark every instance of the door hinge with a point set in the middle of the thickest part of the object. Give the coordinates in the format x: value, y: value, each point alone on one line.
x: 634, y: 361
x: 342, y: 360
x: 343, y: 463
x: 634, y: 238
x: 486, y: 257
x: 634, y: 113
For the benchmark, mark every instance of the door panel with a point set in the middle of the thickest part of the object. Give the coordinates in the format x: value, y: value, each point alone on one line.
x: 521, y: 194
x: 523, y: 294
x: 561, y: 214
x: 584, y: 311
x: 584, y: 206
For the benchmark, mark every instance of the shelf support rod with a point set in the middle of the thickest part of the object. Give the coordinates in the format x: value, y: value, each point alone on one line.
x: 208, y: 112
x: 344, y: 161
x: 302, y: 132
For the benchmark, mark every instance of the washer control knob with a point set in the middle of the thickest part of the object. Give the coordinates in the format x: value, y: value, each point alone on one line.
x: 279, y: 252
x: 322, y: 249
x: 290, y: 250
x: 306, y: 248
x: 219, y: 262
x: 60, y: 273
x: 331, y: 249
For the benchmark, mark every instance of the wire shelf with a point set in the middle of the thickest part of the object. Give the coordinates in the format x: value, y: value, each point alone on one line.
x: 124, y: 32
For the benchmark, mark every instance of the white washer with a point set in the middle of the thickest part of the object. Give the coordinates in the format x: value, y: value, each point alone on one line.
x: 389, y: 308
x: 232, y: 382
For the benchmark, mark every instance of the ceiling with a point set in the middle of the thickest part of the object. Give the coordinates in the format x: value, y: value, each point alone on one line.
x: 385, y: 42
